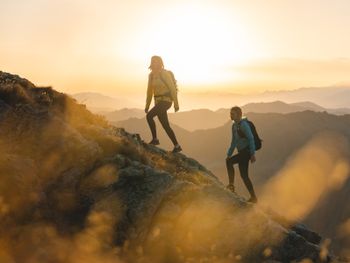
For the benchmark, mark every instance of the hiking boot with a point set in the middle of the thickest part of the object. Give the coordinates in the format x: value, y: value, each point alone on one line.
x: 230, y: 187
x: 154, y: 142
x: 177, y: 149
x: 252, y: 199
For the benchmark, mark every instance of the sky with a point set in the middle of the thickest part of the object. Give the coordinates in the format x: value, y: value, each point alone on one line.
x: 211, y: 45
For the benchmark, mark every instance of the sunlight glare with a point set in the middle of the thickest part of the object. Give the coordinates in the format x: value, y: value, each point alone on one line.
x: 200, y: 44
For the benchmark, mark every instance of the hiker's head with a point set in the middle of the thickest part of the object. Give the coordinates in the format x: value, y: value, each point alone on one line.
x: 236, y: 113
x: 156, y: 63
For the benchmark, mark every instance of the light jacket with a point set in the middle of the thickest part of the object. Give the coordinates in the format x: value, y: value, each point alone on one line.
x: 162, y: 88
x: 242, y: 142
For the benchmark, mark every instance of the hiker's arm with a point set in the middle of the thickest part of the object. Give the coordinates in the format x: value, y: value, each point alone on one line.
x: 149, y: 93
x: 232, y: 145
x: 172, y: 88
x: 248, y: 133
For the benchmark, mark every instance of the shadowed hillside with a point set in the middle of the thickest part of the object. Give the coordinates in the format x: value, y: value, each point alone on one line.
x: 75, y: 189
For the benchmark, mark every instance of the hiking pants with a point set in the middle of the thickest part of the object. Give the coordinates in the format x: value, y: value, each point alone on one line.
x: 160, y: 110
x: 242, y: 158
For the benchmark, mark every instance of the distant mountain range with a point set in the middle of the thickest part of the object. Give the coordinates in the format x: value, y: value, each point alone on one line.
x: 189, y: 120
x: 282, y: 107
x: 97, y: 102
x: 333, y: 97
x: 207, y: 119
x: 329, y: 97
x: 283, y: 136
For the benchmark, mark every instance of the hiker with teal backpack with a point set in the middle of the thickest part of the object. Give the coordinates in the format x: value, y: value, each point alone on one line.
x: 161, y: 85
x: 247, y: 141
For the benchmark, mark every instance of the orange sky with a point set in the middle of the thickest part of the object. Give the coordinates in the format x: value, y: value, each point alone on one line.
x: 239, y: 46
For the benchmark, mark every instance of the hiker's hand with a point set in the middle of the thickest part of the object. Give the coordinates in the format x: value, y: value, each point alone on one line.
x: 252, y: 158
x: 228, y: 157
x: 176, y: 108
x: 146, y: 110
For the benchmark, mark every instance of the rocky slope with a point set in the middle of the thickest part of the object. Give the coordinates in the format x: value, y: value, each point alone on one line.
x: 75, y: 189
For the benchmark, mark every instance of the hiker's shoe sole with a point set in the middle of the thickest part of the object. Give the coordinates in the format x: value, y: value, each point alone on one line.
x: 154, y: 142
x: 252, y: 200
x: 177, y: 149
x: 231, y: 188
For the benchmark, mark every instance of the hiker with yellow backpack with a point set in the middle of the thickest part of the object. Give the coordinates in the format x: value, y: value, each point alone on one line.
x: 161, y: 85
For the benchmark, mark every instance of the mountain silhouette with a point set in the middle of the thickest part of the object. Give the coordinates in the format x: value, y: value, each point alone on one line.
x: 124, y: 114
x: 334, y: 98
x: 98, y: 103
x: 329, y: 97
x: 281, y: 107
x: 76, y: 189
x: 207, y: 119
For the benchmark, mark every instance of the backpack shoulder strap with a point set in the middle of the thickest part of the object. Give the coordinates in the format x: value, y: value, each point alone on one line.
x: 239, y: 130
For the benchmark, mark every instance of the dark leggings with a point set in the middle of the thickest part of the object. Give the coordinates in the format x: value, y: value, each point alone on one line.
x: 160, y: 110
x: 242, y: 158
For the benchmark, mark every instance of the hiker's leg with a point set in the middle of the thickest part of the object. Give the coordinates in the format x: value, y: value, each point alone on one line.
x: 163, y: 118
x: 243, y: 169
x: 230, y: 170
x: 152, y: 125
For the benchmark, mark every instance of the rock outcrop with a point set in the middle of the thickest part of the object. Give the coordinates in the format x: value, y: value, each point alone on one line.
x: 75, y: 189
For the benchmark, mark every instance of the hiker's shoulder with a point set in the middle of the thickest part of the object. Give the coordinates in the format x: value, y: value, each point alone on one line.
x: 245, y: 119
x: 245, y: 122
x: 166, y: 73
